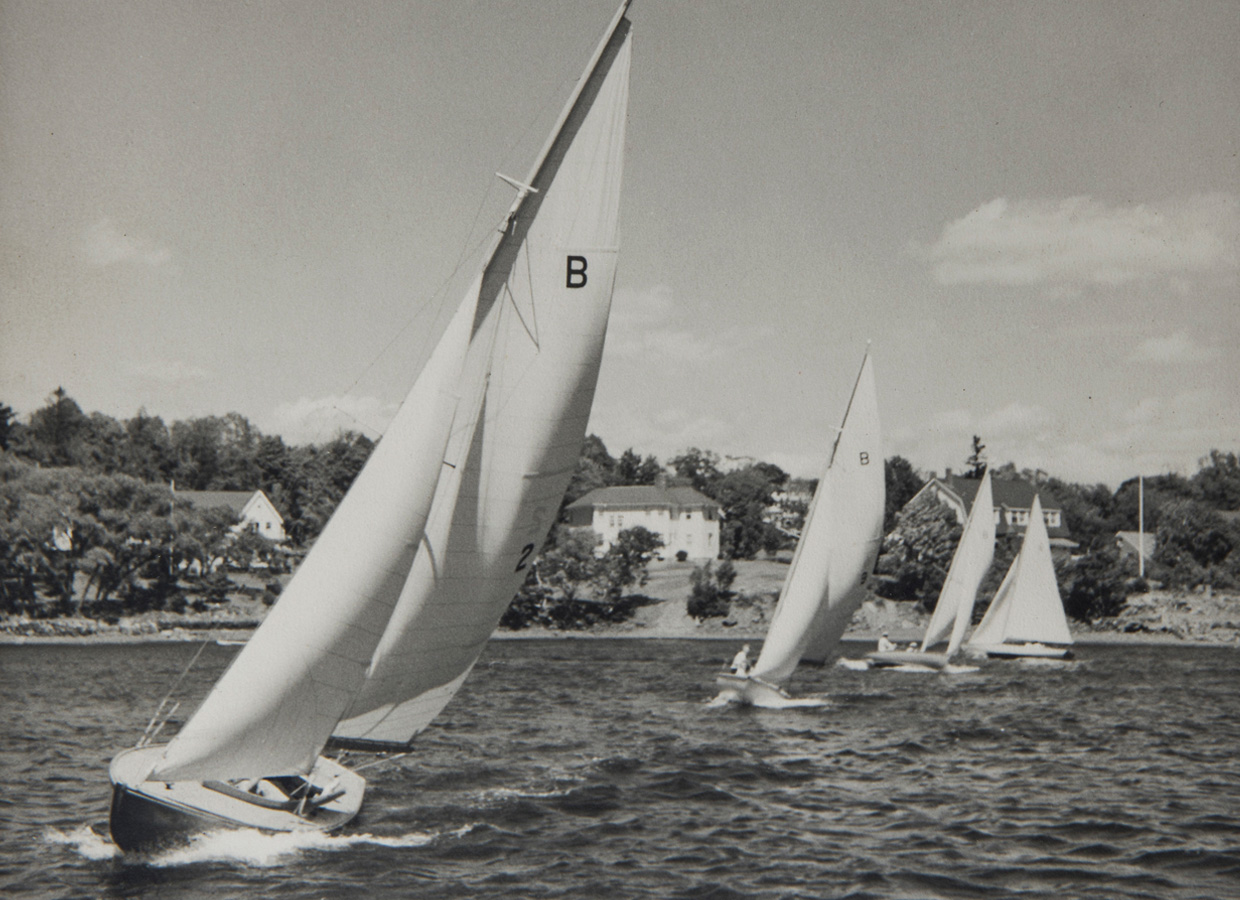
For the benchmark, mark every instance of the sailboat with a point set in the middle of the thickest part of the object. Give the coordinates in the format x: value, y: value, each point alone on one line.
x: 838, y: 547
x: 954, y: 611
x: 1026, y: 618
x: 395, y: 602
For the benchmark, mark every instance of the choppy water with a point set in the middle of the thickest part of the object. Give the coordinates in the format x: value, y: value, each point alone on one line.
x: 595, y: 769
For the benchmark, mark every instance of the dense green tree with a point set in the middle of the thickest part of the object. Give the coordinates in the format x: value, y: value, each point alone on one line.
x: 570, y: 586
x: 903, y: 483
x: 1095, y: 584
x: 917, y: 553
x: 632, y: 469
x: 1194, y: 546
x: 624, y: 565
x: 56, y: 430
x: 595, y: 469
x: 147, y: 452
x: 710, y: 592
x: 745, y: 495
x: 699, y: 467
x: 976, y: 462
x: 8, y: 420
x: 1217, y: 482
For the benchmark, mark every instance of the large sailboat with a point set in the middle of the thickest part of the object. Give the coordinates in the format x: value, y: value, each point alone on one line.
x: 954, y: 611
x: 838, y: 547
x: 1026, y: 618
x: 392, y: 607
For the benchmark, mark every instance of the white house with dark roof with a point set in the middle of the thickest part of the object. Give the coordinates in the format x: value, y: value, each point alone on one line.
x: 254, y: 508
x: 1013, y: 501
x: 685, y: 518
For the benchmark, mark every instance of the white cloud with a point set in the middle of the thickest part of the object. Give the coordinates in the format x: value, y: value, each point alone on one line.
x: 1173, y: 348
x: 1079, y: 241
x: 168, y: 371
x: 315, y: 420
x: 652, y: 326
x: 106, y: 244
x: 1155, y: 435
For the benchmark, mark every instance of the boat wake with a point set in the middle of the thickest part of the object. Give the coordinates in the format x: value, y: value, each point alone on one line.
x: 852, y: 665
x: 84, y: 841
x: 768, y: 701
x: 950, y: 669
x: 242, y: 845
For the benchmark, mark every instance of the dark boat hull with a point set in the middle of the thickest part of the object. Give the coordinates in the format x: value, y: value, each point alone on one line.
x: 889, y: 658
x: 142, y: 824
x: 152, y: 815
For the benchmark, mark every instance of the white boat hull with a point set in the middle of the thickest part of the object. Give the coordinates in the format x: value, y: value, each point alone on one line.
x: 1027, y: 650
x: 148, y: 815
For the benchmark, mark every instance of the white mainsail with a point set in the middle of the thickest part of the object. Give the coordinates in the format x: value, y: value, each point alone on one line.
x: 838, y: 546
x: 276, y: 706
x: 1027, y: 607
x: 531, y: 371
x: 971, y: 561
x: 394, y: 603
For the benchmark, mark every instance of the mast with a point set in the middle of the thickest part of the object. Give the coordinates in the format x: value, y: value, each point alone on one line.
x: 838, y: 543
x: 529, y: 379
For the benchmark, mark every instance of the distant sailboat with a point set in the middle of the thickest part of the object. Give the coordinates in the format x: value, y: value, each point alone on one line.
x: 954, y: 611
x: 1026, y: 618
x: 395, y: 602
x: 838, y: 546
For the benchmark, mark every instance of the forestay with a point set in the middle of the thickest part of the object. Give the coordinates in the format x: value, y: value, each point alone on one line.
x: 529, y: 382
x: 838, y: 546
x: 1027, y: 606
x: 276, y: 705
x: 971, y: 561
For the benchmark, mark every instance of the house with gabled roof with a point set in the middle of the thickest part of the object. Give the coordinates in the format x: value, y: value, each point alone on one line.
x: 684, y: 517
x: 254, y: 508
x: 1013, y: 501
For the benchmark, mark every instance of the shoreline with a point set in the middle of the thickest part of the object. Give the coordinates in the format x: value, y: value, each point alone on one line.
x: 234, y: 636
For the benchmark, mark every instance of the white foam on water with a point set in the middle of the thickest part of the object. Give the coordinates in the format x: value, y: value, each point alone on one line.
x: 853, y: 665
x: 83, y: 841
x: 262, y: 850
x: 960, y: 670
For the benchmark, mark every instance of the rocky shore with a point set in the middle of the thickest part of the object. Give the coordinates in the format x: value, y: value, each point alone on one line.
x: 1204, y: 618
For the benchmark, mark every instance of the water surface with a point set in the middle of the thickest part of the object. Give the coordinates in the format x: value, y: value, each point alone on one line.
x: 595, y: 769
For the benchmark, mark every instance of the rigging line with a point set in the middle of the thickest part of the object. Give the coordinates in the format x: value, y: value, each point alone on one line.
x: 529, y: 278
x: 172, y: 690
x: 467, y: 254
x: 380, y: 761
x: 532, y: 333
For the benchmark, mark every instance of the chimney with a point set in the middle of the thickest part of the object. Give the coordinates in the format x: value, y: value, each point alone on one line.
x: 947, y: 474
x: 660, y: 480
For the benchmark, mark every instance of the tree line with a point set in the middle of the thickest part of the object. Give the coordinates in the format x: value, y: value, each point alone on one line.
x: 90, y: 520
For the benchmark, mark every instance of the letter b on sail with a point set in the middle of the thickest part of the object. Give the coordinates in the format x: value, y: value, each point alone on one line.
x: 576, y: 272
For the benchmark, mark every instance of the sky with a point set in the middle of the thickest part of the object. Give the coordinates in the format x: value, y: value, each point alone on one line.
x: 1031, y: 211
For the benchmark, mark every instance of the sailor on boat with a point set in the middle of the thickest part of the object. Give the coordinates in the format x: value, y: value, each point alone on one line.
x: 884, y: 644
x: 740, y: 662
